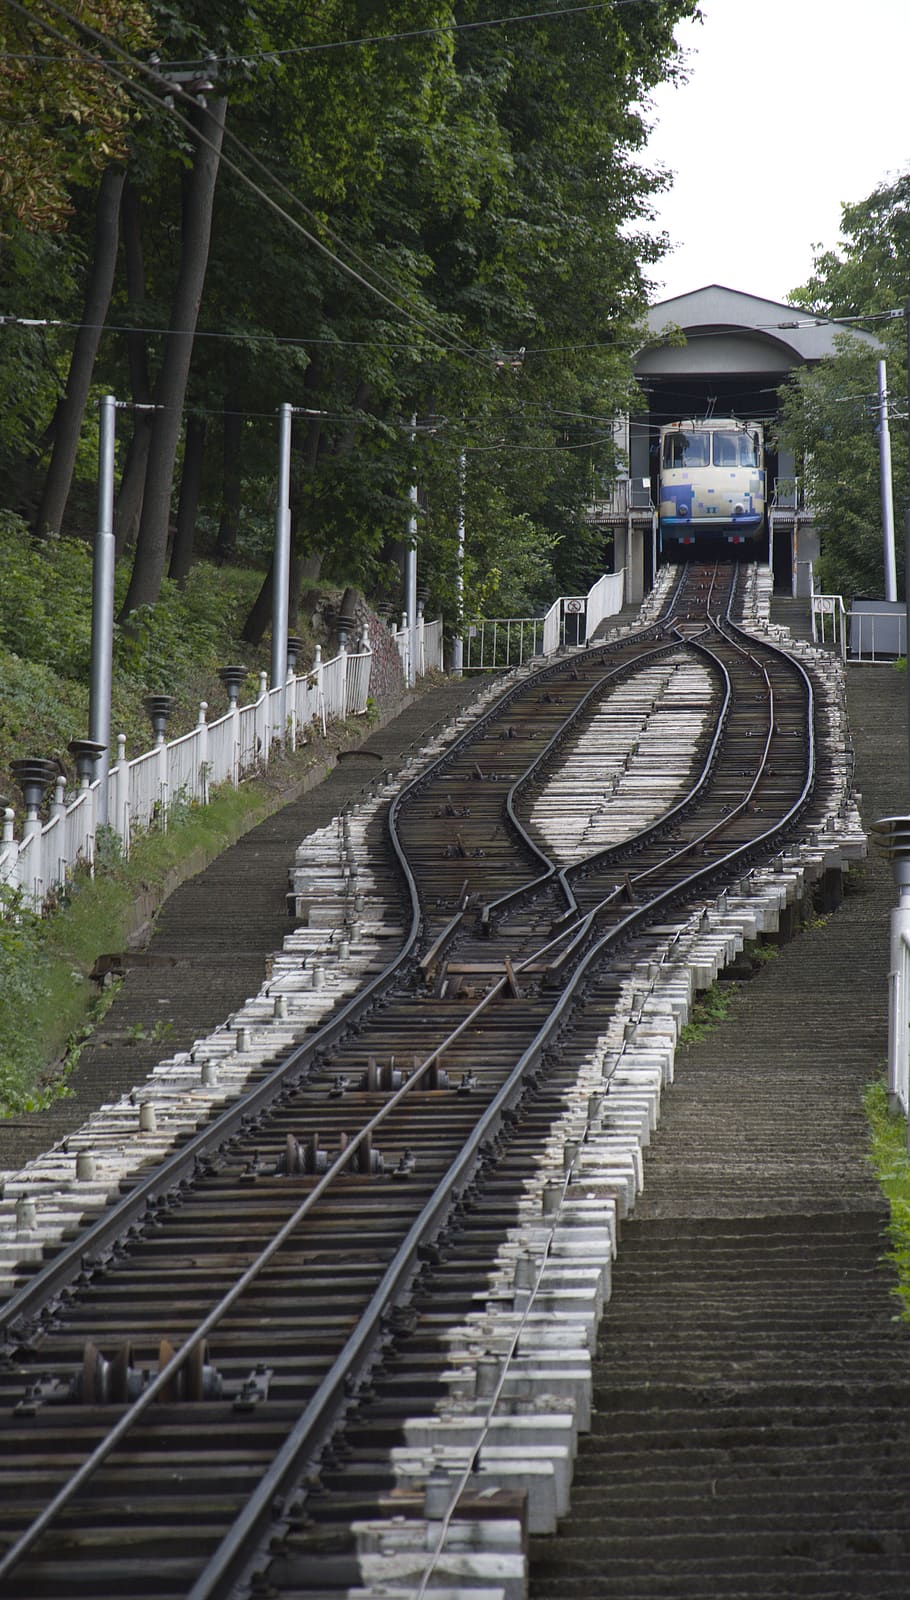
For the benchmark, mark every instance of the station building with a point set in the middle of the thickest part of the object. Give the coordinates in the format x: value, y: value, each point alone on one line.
x: 735, y: 352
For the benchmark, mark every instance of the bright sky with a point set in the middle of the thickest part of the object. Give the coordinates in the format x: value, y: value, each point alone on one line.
x: 792, y: 107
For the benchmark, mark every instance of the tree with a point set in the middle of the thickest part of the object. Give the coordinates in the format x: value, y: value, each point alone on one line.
x: 170, y: 389
x: 68, y: 419
x: 61, y: 138
x: 828, y: 416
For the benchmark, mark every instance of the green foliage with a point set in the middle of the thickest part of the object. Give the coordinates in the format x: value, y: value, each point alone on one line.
x: 709, y: 1009
x: 829, y: 420
x: 63, y: 119
x: 45, y: 599
x: 49, y: 1006
x: 24, y: 986
x: 891, y: 1162
x: 175, y: 647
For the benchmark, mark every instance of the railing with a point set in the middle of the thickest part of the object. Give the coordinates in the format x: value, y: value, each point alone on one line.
x: 420, y: 649
x: 788, y: 494
x: 142, y: 792
x: 625, y: 495
x: 604, y: 600
x: 877, y: 631
x: 899, y: 1010
x: 829, y: 622
x: 496, y: 643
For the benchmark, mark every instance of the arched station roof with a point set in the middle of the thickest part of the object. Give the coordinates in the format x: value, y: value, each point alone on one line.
x: 730, y: 334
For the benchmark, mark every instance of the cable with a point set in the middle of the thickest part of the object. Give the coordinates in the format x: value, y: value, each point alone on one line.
x: 381, y: 38
x: 454, y: 348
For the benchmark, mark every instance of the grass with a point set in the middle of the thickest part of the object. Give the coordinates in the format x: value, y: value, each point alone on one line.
x: 50, y: 1005
x: 891, y: 1163
x: 708, y: 1010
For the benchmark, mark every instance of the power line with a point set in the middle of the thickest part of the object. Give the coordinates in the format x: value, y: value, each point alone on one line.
x: 445, y: 28
x: 454, y: 346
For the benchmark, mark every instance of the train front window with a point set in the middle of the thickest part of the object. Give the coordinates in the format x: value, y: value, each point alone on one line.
x: 687, y: 449
x: 736, y: 450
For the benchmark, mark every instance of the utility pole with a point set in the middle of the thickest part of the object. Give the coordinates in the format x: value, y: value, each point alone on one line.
x: 99, y: 715
x: 887, y: 492
x: 458, y: 641
x: 410, y: 574
x: 907, y: 545
x: 282, y: 564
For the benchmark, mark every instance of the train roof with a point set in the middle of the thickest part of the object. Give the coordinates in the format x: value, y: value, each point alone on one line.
x: 717, y: 424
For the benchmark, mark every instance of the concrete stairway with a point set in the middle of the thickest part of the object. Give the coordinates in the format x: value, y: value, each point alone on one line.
x: 752, y: 1428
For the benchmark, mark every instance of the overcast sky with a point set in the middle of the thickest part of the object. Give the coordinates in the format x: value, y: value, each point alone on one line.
x: 791, y: 108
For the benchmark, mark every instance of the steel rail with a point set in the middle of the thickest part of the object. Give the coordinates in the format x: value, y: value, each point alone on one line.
x: 79, y: 1254
x: 398, y: 1271
x: 233, y: 1557
x: 638, y: 917
x: 554, y: 873
x: 114, y: 1222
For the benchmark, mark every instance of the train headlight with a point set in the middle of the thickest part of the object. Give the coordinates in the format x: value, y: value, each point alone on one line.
x: 739, y: 509
x: 682, y: 509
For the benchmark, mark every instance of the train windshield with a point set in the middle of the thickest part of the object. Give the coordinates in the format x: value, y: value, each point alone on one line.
x: 687, y: 449
x: 736, y: 450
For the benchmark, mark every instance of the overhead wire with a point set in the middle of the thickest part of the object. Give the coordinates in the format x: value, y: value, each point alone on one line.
x: 452, y: 344
x: 449, y: 28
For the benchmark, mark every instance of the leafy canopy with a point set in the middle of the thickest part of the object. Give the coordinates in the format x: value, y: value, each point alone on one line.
x: 829, y: 414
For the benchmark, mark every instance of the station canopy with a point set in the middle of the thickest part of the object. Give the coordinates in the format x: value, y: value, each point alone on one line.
x: 738, y: 350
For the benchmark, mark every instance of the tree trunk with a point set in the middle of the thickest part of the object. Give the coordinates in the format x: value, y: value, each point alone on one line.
x: 190, y: 484
x: 170, y: 390
x: 259, y: 619
x: 70, y: 412
x: 230, y: 493
x: 132, y: 483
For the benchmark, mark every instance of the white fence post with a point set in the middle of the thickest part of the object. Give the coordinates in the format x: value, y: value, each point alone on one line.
x: 202, y: 755
x: 9, y: 851
x: 263, y: 718
x: 891, y: 835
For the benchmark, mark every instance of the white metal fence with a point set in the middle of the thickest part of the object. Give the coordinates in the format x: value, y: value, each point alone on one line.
x: 877, y: 631
x: 899, y: 1009
x: 420, y: 649
x: 142, y: 792
x: 829, y: 621
x: 493, y: 643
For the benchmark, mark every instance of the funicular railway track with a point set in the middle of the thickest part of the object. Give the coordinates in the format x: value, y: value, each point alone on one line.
x: 172, y: 1376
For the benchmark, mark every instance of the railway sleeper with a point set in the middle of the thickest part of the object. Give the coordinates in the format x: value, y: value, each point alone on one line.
x: 103, y: 1381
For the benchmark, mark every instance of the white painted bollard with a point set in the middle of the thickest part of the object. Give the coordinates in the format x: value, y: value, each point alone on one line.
x: 26, y: 1216
x: 148, y: 1121
x: 85, y: 1166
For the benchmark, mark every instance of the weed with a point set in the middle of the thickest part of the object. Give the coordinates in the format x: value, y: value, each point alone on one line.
x: 890, y: 1159
x: 158, y: 1033
x: 709, y: 1009
x: 761, y: 954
